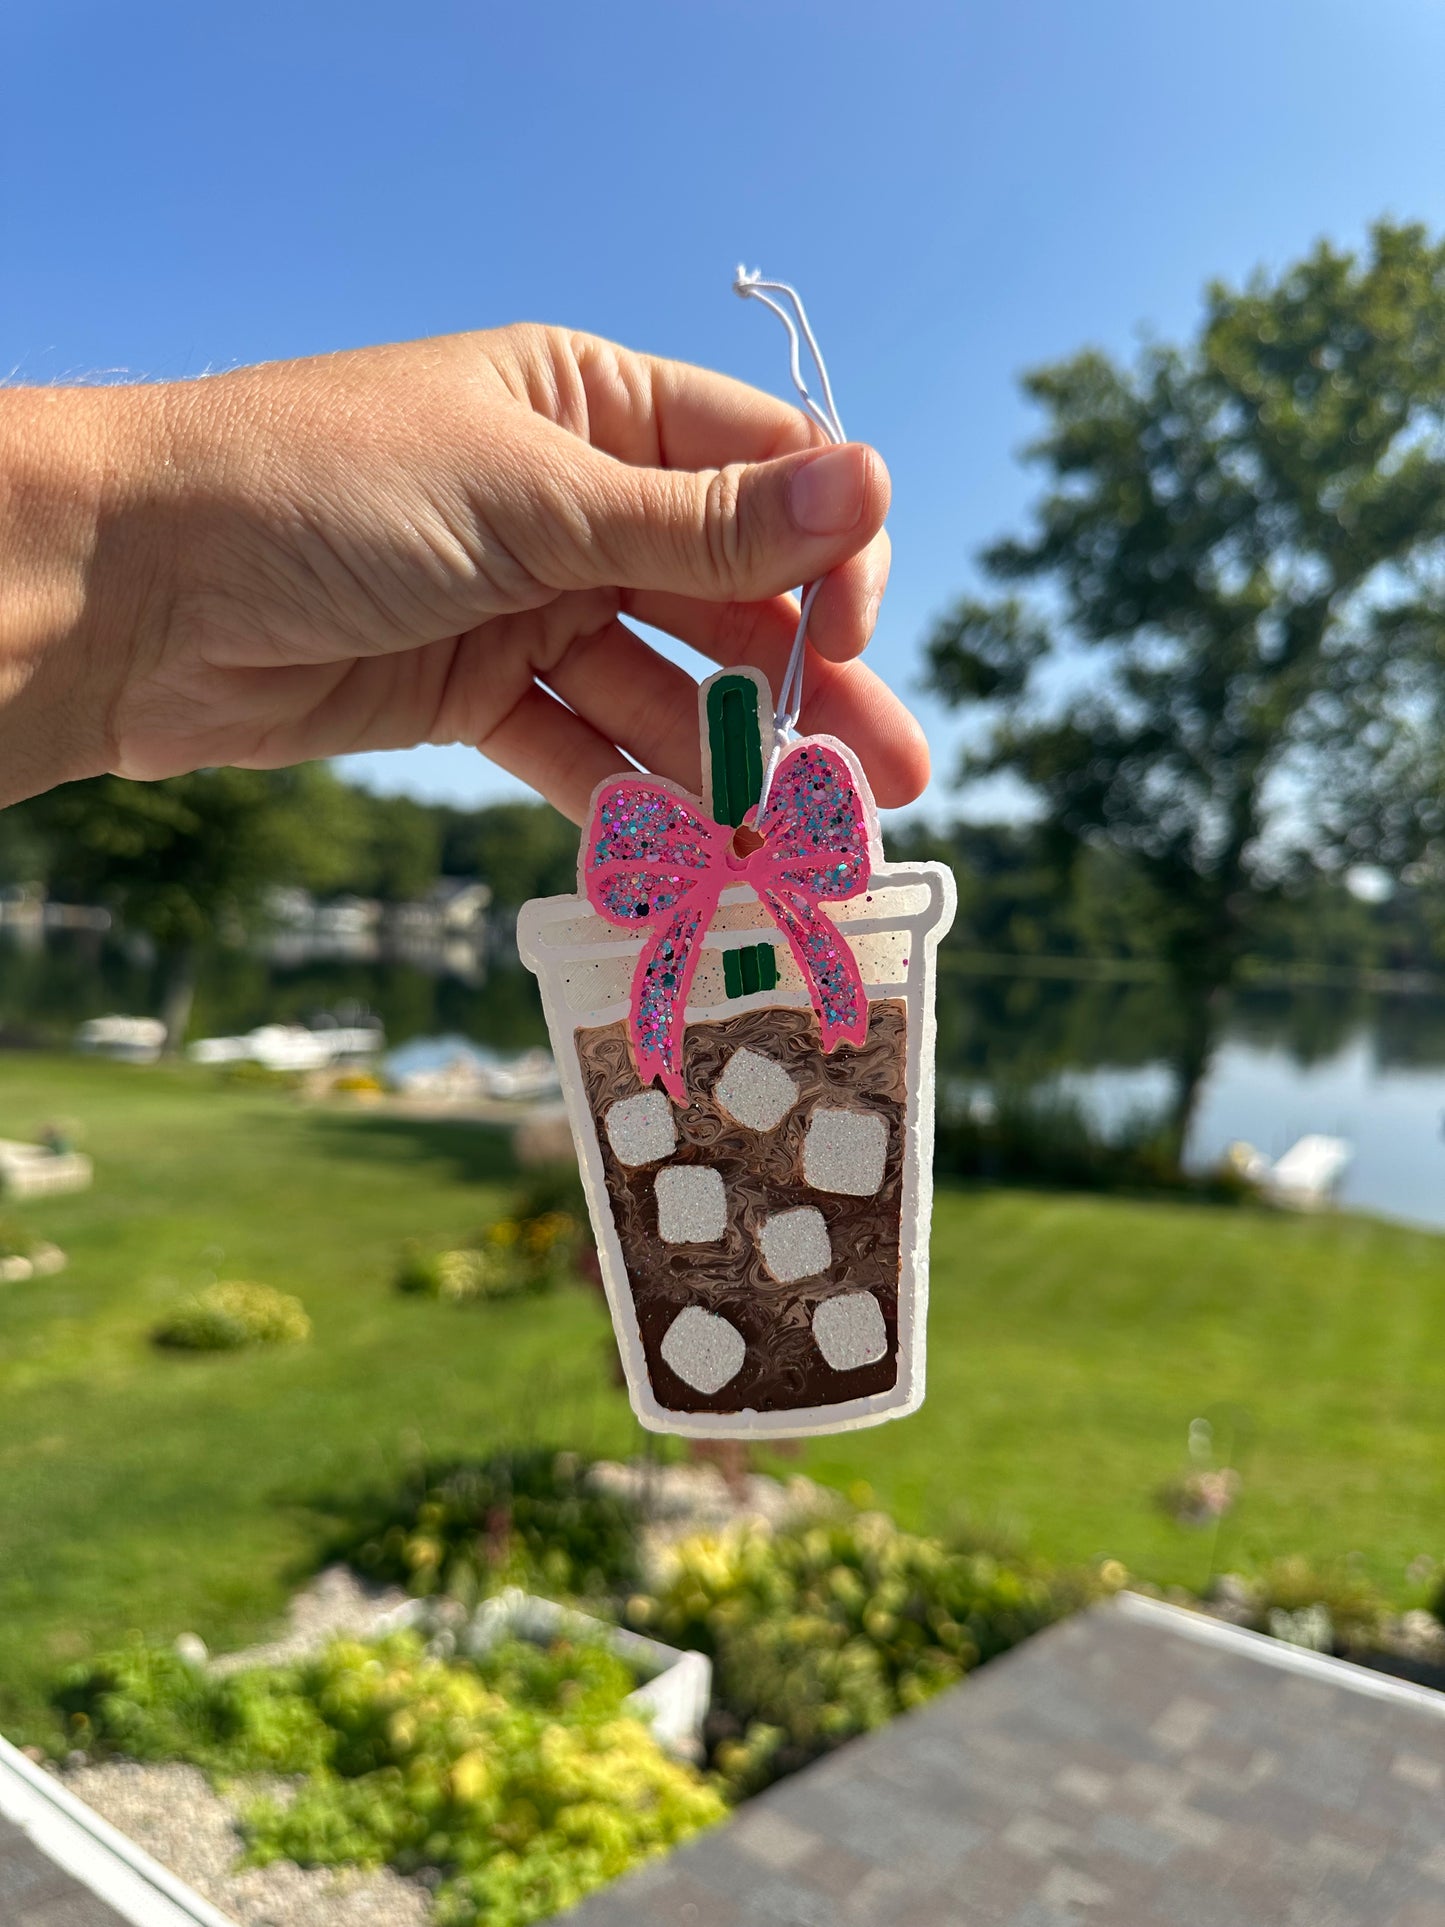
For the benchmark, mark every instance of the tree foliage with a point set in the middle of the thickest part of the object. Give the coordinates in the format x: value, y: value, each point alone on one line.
x: 522, y: 849
x: 1242, y: 540
x: 398, y: 847
x: 188, y: 859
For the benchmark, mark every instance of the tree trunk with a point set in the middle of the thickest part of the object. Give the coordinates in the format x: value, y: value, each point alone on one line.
x: 1200, y: 1012
x: 178, y: 995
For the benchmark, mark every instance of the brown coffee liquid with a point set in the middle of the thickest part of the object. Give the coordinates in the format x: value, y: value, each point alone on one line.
x: 762, y: 1174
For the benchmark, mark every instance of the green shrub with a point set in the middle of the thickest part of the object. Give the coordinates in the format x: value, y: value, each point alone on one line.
x: 552, y: 1187
x: 1291, y: 1594
x: 519, y: 1779
x: 223, y: 1318
x: 511, y: 1258
x: 417, y: 1270
x: 549, y: 1242
x: 829, y: 1630
x: 458, y: 1277
x: 147, y: 1703
x: 1028, y: 1136
x: 525, y: 1517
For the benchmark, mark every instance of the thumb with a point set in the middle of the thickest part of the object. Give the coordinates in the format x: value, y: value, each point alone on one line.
x: 735, y: 534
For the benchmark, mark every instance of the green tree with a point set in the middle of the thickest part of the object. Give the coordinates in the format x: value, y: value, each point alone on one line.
x: 1016, y: 900
x: 190, y: 860
x: 400, y: 847
x: 1242, y: 538
x: 22, y: 854
x: 521, y: 849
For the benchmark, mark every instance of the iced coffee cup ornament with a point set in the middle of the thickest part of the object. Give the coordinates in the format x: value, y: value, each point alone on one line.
x: 740, y: 999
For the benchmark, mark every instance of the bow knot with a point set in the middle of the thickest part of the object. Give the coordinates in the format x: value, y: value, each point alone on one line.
x: 654, y: 861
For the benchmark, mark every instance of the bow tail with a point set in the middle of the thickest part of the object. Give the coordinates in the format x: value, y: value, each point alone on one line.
x: 827, y: 964
x: 660, y: 985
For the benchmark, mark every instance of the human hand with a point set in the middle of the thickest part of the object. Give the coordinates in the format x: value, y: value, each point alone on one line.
x: 429, y: 542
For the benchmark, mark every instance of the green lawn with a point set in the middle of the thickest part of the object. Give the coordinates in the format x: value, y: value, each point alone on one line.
x: 1072, y: 1341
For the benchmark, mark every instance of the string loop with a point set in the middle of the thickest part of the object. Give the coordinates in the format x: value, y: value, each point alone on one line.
x: 752, y: 286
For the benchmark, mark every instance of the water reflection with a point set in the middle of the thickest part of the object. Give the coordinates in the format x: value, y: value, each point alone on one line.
x: 1353, y: 1063
x: 1019, y: 1030
x: 45, y: 992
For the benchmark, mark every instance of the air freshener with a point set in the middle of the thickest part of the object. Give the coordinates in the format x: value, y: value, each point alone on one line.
x: 744, y: 1027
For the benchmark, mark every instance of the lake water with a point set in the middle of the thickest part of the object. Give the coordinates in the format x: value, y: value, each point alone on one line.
x: 1391, y: 1114
x: 1364, y: 1067
x: 1367, y: 1068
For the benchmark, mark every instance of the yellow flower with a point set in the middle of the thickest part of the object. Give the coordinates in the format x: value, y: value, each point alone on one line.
x: 471, y: 1778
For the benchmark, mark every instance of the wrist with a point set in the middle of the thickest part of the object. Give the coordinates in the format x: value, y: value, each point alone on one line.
x: 75, y: 573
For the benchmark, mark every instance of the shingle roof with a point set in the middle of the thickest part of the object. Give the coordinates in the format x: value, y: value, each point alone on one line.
x: 35, y: 1893
x: 1134, y: 1766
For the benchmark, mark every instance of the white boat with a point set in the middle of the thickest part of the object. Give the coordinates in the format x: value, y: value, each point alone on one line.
x: 533, y: 1074
x: 460, y: 1071
x: 458, y: 1079
x: 1306, y: 1176
x: 134, y: 1040
x: 289, y: 1047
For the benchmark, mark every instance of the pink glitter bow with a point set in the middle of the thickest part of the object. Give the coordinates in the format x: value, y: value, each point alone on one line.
x: 653, y: 858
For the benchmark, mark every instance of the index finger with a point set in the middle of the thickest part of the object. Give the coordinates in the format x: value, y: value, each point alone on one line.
x: 668, y: 414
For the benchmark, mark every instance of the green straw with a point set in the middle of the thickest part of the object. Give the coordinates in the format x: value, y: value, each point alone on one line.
x: 736, y: 743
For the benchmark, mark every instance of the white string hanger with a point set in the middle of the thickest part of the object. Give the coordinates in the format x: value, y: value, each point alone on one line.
x: 751, y: 286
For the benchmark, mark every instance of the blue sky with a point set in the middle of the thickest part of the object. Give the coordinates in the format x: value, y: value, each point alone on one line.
x: 960, y: 190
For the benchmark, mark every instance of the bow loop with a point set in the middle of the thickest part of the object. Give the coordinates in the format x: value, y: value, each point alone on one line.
x: 814, y: 829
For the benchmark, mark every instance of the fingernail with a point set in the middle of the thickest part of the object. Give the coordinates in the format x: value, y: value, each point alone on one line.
x: 870, y: 615
x: 826, y: 496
